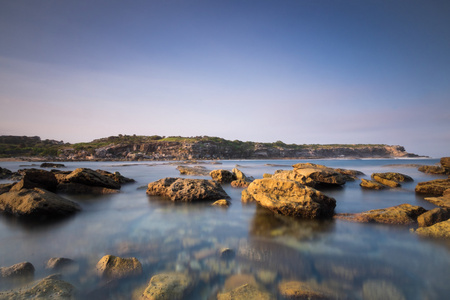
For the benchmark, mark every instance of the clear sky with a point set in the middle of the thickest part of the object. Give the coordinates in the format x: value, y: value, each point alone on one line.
x: 299, y: 71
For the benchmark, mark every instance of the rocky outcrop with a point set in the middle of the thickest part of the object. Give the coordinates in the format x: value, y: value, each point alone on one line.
x: 391, y: 179
x: 433, y: 216
x: 171, y: 285
x: 35, y: 178
x: 242, y: 181
x: 222, y: 176
x: 196, y: 171
x: 5, y: 173
x: 59, y: 263
x: 116, y: 176
x: 403, y: 214
x: 113, y: 267
x: 52, y: 165
x: 288, y: 197
x: 312, y: 175
x: 243, y: 286
x: 187, y: 190
x: 443, y: 169
x: 20, y: 270
x: 36, y: 203
x: 443, y: 201
x: 51, y: 287
x: 438, y: 230
x: 370, y: 184
x: 433, y: 187
x: 87, y: 181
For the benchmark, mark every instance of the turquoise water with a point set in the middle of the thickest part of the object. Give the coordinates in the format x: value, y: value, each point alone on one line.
x: 338, y: 255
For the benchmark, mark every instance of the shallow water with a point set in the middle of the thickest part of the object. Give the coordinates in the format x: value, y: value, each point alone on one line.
x: 343, y: 257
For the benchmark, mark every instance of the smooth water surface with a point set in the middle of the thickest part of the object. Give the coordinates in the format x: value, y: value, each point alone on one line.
x: 345, y: 258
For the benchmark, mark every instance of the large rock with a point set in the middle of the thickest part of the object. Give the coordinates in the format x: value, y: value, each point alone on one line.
x: 168, y: 286
x: 87, y: 181
x: 433, y: 216
x: 443, y: 169
x: 116, y: 176
x: 222, y: 176
x: 187, y: 190
x: 443, y: 201
x: 398, y: 177
x: 291, y: 198
x: 312, y: 175
x: 384, y: 181
x: 403, y: 214
x: 60, y: 263
x: 23, y: 269
x: 36, y: 203
x: 241, y: 176
x: 51, y: 287
x: 243, y: 286
x: 113, y: 267
x: 438, y: 230
x: 35, y: 178
x: 370, y: 184
x: 91, y: 178
x: 52, y: 165
x: 433, y: 187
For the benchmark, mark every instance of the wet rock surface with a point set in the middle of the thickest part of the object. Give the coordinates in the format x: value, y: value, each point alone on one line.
x: 168, y: 286
x: 433, y: 216
x: 187, y: 190
x: 222, y: 176
x: 443, y: 169
x: 435, y: 187
x: 370, y: 184
x: 438, y: 230
x: 113, y: 267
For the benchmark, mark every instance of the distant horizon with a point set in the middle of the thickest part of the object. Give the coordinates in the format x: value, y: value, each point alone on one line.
x: 299, y: 71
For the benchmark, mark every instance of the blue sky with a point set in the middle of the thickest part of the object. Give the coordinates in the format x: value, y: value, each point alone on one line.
x: 300, y: 71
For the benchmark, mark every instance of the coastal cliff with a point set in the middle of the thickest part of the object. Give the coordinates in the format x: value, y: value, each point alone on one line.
x: 124, y: 147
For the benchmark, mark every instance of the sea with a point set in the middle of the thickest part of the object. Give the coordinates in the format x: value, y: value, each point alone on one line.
x: 348, y: 260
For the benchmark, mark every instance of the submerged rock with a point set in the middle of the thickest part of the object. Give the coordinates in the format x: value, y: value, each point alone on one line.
x: 288, y: 197
x: 59, y: 263
x: 196, y: 171
x: 398, y: 177
x: 222, y: 176
x: 36, y: 203
x: 433, y: 187
x: 51, y: 287
x: 113, y: 267
x: 403, y: 214
x: 370, y: 184
x: 301, y: 290
x: 165, y: 286
x: 438, y: 230
x: 52, y: 165
x: 246, y: 292
x: 23, y: 269
x: 187, y: 190
x: 222, y: 202
x: 433, y: 216
x: 116, y: 176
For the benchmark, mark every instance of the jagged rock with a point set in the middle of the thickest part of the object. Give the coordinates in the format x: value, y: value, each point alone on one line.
x: 222, y: 176
x: 443, y: 169
x: 443, y: 201
x: 240, y: 183
x: 370, y: 184
x: 375, y: 289
x: 403, y: 214
x: 433, y: 187
x: 59, y: 263
x: 35, y: 178
x: 23, y: 269
x: 222, y: 202
x: 196, y: 171
x: 246, y: 292
x: 187, y: 190
x: 433, y: 216
x: 301, y: 290
x: 5, y: 173
x: 116, y: 176
x: 36, y: 203
x: 382, y: 180
x: 165, y: 286
x: 398, y: 177
x: 445, y: 162
x: 51, y: 287
x: 91, y: 178
x: 52, y: 165
x: 312, y: 175
x: 241, y: 176
x: 113, y: 267
x: 438, y: 230
x: 349, y: 175
x: 290, y: 198
x: 5, y: 187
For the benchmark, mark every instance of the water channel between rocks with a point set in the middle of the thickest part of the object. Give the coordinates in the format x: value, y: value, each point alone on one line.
x: 345, y: 257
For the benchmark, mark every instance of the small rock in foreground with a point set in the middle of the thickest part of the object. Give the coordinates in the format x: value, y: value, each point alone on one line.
x: 23, y: 269
x: 113, y: 267
x: 171, y: 285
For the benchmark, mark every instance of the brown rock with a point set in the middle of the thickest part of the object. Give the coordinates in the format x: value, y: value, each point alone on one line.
x: 36, y: 178
x: 168, y: 286
x: 59, y: 263
x: 77, y: 188
x: 291, y: 198
x: 438, y: 230
x: 301, y: 290
x: 403, y: 214
x: 222, y: 202
x: 390, y: 183
x: 36, y: 203
x: 370, y: 184
x: 393, y: 176
x: 433, y: 187
x: 23, y: 269
x: 6, y: 187
x: 116, y: 176
x: 242, y: 286
x: 445, y: 162
x: 312, y: 175
x: 241, y: 176
x: 113, y: 267
x: 433, y: 216
x: 196, y: 171
x: 443, y: 201
x: 187, y: 190
x: 92, y: 178
x: 222, y: 176
x: 438, y: 170
x: 240, y: 183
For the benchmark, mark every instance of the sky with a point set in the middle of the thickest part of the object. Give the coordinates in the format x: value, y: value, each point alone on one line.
x: 299, y: 71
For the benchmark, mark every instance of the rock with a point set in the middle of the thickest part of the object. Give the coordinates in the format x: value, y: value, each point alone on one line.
x: 91, y: 178
x: 196, y: 171
x: 398, y: 177
x: 23, y: 269
x: 390, y: 183
x: 246, y: 292
x: 51, y: 287
x: 187, y: 190
x: 445, y: 162
x: 241, y: 176
x: 300, y: 290
x: 6, y: 187
x: 433, y: 187
x: 227, y: 253
x: 288, y: 197
x: 438, y: 230
x: 36, y: 203
x: 267, y: 175
x: 403, y: 214
x: 52, y: 165
x: 35, y: 178
x: 312, y: 175
x: 350, y: 174
x: 5, y: 173
x: 222, y: 202
x: 116, y: 176
x: 59, y: 263
x: 376, y: 289
x: 168, y: 286
x: 238, y: 280
x: 222, y: 176
x: 437, y: 170
x: 433, y: 216
x: 113, y: 267
x: 240, y: 183
x: 370, y: 184
x: 443, y: 201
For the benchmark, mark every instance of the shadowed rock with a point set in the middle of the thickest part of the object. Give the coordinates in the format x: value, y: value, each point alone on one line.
x: 23, y: 269
x: 433, y: 216
x: 222, y: 176
x: 433, y: 187
x: 35, y: 178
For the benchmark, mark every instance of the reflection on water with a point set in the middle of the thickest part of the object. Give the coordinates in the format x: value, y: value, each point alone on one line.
x: 345, y: 260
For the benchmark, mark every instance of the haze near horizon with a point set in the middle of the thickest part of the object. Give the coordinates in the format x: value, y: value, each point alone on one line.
x: 303, y: 72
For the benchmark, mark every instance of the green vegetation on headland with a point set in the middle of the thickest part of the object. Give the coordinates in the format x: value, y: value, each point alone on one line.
x: 135, y: 147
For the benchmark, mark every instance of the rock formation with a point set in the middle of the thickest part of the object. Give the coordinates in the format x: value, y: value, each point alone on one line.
x: 171, y: 285
x: 113, y: 267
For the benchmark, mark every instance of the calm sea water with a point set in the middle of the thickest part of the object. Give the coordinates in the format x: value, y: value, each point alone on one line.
x: 341, y: 256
